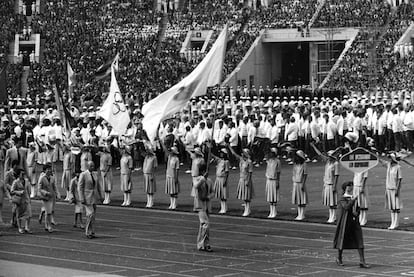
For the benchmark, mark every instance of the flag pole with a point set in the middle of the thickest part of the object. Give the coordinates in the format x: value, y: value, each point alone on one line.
x: 212, y: 131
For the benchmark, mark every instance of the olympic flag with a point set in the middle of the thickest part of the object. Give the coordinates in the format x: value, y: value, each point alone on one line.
x: 208, y: 73
x: 114, y: 110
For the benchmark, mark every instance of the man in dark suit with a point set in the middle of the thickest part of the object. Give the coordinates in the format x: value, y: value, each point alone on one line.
x: 90, y: 194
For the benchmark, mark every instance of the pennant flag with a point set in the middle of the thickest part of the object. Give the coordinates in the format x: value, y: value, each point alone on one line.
x: 66, y: 118
x: 208, y: 73
x: 105, y: 70
x: 71, y: 76
x: 114, y: 110
x: 3, y: 86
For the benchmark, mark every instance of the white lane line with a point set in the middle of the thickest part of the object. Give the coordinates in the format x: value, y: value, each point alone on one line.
x: 313, y: 272
x: 93, y: 263
x: 151, y: 275
x: 192, y: 270
x: 127, y: 256
x: 209, y: 260
x: 228, y: 274
x: 274, y: 269
x: 159, y: 266
x: 114, y: 271
x: 241, y: 264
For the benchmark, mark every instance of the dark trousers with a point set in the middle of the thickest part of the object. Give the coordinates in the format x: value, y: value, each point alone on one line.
x: 380, y: 143
x: 390, y: 141
x: 398, y: 141
x: 409, y: 138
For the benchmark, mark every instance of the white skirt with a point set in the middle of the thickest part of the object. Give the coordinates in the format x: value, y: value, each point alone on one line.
x: 221, y: 188
x: 299, y: 197
x: 329, y: 197
x: 272, y: 193
x: 392, y: 201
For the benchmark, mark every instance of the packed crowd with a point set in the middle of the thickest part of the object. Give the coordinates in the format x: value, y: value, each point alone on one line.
x: 372, y: 58
x: 359, y: 13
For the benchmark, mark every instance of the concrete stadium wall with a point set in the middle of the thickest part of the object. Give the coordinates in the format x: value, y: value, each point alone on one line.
x: 254, y: 69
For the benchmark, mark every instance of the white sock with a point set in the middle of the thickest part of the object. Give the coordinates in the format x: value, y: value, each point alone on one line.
x: 396, y: 220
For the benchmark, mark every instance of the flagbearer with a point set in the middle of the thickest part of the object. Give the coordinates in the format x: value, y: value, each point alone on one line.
x: 149, y: 166
x: 68, y: 163
x: 127, y: 164
x: 106, y: 172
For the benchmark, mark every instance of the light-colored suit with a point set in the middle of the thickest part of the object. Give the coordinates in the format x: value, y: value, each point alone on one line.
x: 11, y: 155
x: 89, y: 190
x: 90, y: 193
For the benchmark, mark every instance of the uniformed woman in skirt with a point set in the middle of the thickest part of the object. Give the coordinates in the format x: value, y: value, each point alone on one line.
x: 172, y: 186
x: 330, y: 181
x: 105, y: 167
x: 299, y: 191
x: 245, y: 189
x: 149, y: 166
x: 392, y: 188
x: 127, y: 164
x: 273, y: 180
x: 221, y: 189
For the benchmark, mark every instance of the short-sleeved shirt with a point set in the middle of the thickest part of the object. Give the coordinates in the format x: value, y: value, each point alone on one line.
x: 359, y: 178
x: 223, y: 167
x: 273, y: 168
x: 105, y: 161
x: 126, y: 164
x: 298, y: 172
x: 195, y: 166
x: 246, y: 167
x: 331, y: 170
x: 393, y: 174
x: 172, y: 165
x: 150, y: 163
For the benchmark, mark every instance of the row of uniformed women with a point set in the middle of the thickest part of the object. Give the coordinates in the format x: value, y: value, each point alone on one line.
x: 245, y: 189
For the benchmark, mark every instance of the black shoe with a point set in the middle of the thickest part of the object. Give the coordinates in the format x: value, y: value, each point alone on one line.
x: 90, y: 236
x: 364, y: 265
x: 339, y: 262
x: 206, y: 249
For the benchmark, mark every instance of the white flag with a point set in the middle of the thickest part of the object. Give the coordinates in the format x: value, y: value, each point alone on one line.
x: 71, y: 76
x: 208, y: 73
x: 114, y: 110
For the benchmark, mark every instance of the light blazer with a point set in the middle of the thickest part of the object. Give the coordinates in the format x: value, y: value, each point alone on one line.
x: 89, y: 191
x: 11, y: 155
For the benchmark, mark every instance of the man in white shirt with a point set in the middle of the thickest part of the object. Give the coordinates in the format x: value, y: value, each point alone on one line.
x: 220, y: 133
x: 408, y: 123
x: 397, y: 129
x: 234, y: 143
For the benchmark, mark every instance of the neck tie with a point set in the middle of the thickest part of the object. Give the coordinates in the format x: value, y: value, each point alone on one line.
x: 18, y: 156
x: 93, y: 180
